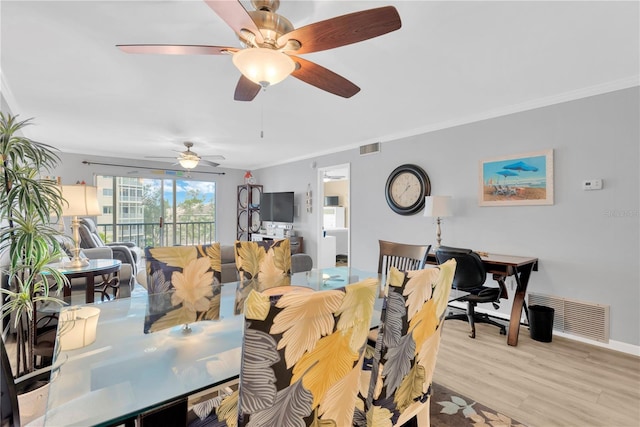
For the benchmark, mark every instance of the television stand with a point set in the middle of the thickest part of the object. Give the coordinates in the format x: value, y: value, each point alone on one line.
x: 296, y: 242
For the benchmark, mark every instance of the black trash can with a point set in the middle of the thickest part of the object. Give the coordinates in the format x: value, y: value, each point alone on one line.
x: 541, y: 323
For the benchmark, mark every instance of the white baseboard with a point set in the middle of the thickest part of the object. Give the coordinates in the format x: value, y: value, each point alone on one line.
x: 611, y: 345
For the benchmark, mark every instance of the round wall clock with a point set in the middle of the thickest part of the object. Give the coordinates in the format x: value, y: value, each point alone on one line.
x: 406, y: 188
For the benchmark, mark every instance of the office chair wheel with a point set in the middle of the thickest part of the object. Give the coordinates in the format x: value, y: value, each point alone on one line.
x: 503, y: 331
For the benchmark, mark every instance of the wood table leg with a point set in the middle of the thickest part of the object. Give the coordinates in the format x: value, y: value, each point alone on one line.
x: 522, y: 279
x: 91, y: 283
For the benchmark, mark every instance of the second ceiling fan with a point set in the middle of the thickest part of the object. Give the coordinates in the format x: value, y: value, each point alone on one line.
x: 271, y: 42
x: 189, y: 159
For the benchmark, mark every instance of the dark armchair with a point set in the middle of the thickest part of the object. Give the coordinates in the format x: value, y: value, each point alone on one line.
x: 127, y: 252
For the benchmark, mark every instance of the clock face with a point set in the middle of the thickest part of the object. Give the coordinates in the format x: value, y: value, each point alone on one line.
x: 406, y: 189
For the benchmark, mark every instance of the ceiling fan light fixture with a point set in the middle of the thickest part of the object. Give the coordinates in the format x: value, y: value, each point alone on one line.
x: 188, y: 163
x: 263, y: 66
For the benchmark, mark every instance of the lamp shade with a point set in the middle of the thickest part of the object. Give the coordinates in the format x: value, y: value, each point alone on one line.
x: 188, y: 163
x: 263, y: 66
x: 82, y: 200
x: 437, y: 206
x: 78, y: 327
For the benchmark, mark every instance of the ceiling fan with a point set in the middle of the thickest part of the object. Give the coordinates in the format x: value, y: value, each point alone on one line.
x: 330, y: 177
x: 189, y: 159
x: 270, y: 43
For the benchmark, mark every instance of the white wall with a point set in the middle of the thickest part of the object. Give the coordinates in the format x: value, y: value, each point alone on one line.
x: 587, y: 242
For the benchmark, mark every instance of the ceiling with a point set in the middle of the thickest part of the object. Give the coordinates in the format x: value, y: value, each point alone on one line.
x: 451, y: 62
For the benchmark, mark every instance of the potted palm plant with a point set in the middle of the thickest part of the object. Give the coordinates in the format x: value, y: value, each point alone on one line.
x: 28, y: 201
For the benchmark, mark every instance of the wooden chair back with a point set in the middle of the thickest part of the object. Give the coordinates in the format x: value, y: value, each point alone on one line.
x: 401, y: 256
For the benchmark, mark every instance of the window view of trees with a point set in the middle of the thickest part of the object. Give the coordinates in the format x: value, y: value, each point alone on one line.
x: 157, y: 212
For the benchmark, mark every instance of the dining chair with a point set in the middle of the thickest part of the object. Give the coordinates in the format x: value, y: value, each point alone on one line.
x: 184, y: 285
x: 261, y: 265
x: 401, y: 256
x: 401, y: 370
x: 302, y: 355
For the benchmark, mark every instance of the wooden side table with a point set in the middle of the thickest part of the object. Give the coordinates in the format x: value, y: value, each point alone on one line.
x: 96, y: 267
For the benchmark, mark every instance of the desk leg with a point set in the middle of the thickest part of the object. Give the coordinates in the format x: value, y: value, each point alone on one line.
x: 522, y: 279
x: 91, y: 283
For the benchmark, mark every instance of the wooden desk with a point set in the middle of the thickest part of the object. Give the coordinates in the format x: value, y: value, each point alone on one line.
x: 503, y: 266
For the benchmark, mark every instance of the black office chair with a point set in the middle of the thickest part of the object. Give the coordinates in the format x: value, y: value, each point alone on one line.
x: 470, y: 277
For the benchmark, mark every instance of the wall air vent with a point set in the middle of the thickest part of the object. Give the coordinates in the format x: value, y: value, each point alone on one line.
x: 585, y: 319
x: 370, y: 148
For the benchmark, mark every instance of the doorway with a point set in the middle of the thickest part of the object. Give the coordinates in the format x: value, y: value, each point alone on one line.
x: 334, y: 243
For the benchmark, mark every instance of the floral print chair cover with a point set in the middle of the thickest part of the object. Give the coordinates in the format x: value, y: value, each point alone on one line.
x: 302, y: 357
x: 261, y: 265
x: 183, y: 285
x: 408, y: 341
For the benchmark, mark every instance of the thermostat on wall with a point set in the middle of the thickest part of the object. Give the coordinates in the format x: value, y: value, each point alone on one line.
x: 592, y: 184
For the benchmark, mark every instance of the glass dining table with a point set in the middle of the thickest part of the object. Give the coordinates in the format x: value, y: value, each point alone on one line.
x: 126, y: 372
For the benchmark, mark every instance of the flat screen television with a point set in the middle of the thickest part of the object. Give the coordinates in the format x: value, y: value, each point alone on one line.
x: 277, y: 207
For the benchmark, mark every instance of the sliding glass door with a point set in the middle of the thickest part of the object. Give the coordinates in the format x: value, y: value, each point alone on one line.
x: 156, y: 212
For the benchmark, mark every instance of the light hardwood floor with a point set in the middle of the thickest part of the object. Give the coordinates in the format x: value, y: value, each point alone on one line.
x: 561, y: 383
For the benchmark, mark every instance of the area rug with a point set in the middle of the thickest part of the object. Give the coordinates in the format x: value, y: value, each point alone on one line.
x: 450, y: 409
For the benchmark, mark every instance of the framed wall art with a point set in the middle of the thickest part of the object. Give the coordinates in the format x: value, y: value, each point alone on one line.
x: 522, y: 179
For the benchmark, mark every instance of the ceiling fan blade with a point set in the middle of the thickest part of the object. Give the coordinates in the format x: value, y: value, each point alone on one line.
x: 207, y: 162
x: 322, y: 78
x: 246, y: 90
x: 214, y: 156
x: 343, y: 30
x: 160, y: 157
x: 235, y: 15
x: 176, y: 49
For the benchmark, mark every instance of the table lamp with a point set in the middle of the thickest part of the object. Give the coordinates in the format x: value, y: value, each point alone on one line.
x: 80, y: 200
x: 437, y: 207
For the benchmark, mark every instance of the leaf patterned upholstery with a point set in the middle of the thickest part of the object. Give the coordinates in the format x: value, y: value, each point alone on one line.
x: 183, y: 285
x: 407, y: 346
x: 302, y: 359
x: 261, y: 265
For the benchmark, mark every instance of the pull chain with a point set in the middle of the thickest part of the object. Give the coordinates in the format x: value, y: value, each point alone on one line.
x: 262, y: 114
